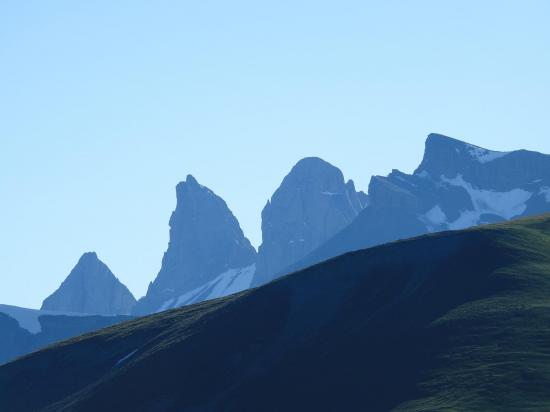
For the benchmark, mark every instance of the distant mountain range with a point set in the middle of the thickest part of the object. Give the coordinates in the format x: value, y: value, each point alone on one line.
x: 314, y: 215
x: 448, y: 321
x: 208, y: 255
x: 457, y: 185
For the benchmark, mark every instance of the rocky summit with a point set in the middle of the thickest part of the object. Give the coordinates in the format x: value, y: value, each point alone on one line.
x: 91, y: 288
x: 206, y: 241
x: 457, y: 185
x: 312, y: 204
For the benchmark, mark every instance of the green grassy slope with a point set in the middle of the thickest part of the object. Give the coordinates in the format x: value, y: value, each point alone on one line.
x: 456, y: 321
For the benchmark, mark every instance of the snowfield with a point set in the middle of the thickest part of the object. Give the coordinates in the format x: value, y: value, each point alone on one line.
x: 484, y: 155
x: 227, y: 283
x: 506, y: 205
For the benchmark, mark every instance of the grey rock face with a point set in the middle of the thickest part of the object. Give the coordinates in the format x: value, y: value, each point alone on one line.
x: 457, y: 185
x: 205, y: 241
x: 311, y: 205
x: 91, y: 288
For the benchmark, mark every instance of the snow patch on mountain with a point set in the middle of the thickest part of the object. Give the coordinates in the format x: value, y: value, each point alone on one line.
x: 434, y: 217
x: 484, y: 155
x: 504, y: 204
x: 546, y: 192
x: 227, y: 283
x: 125, y: 358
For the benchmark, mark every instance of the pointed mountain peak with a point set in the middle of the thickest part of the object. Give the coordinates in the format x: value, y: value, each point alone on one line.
x: 91, y: 288
x: 90, y: 264
x: 205, y: 241
x: 191, y: 188
x: 190, y: 180
x: 350, y: 184
x: 88, y: 257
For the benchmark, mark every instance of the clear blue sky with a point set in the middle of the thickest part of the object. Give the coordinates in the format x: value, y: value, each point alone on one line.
x: 105, y: 106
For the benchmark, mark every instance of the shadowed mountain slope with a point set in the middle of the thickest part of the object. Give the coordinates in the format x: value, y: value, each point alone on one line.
x: 25, y: 330
x: 449, y: 321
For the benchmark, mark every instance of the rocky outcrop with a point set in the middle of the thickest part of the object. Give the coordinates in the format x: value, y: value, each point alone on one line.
x: 312, y: 204
x: 457, y: 185
x: 205, y: 241
x: 91, y: 288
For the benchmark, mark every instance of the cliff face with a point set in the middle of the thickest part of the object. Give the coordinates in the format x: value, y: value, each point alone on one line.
x: 205, y: 241
x: 311, y: 205
x: 456, y: 186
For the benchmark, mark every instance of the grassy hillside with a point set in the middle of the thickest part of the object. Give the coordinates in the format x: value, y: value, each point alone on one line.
x: 456, y: 321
